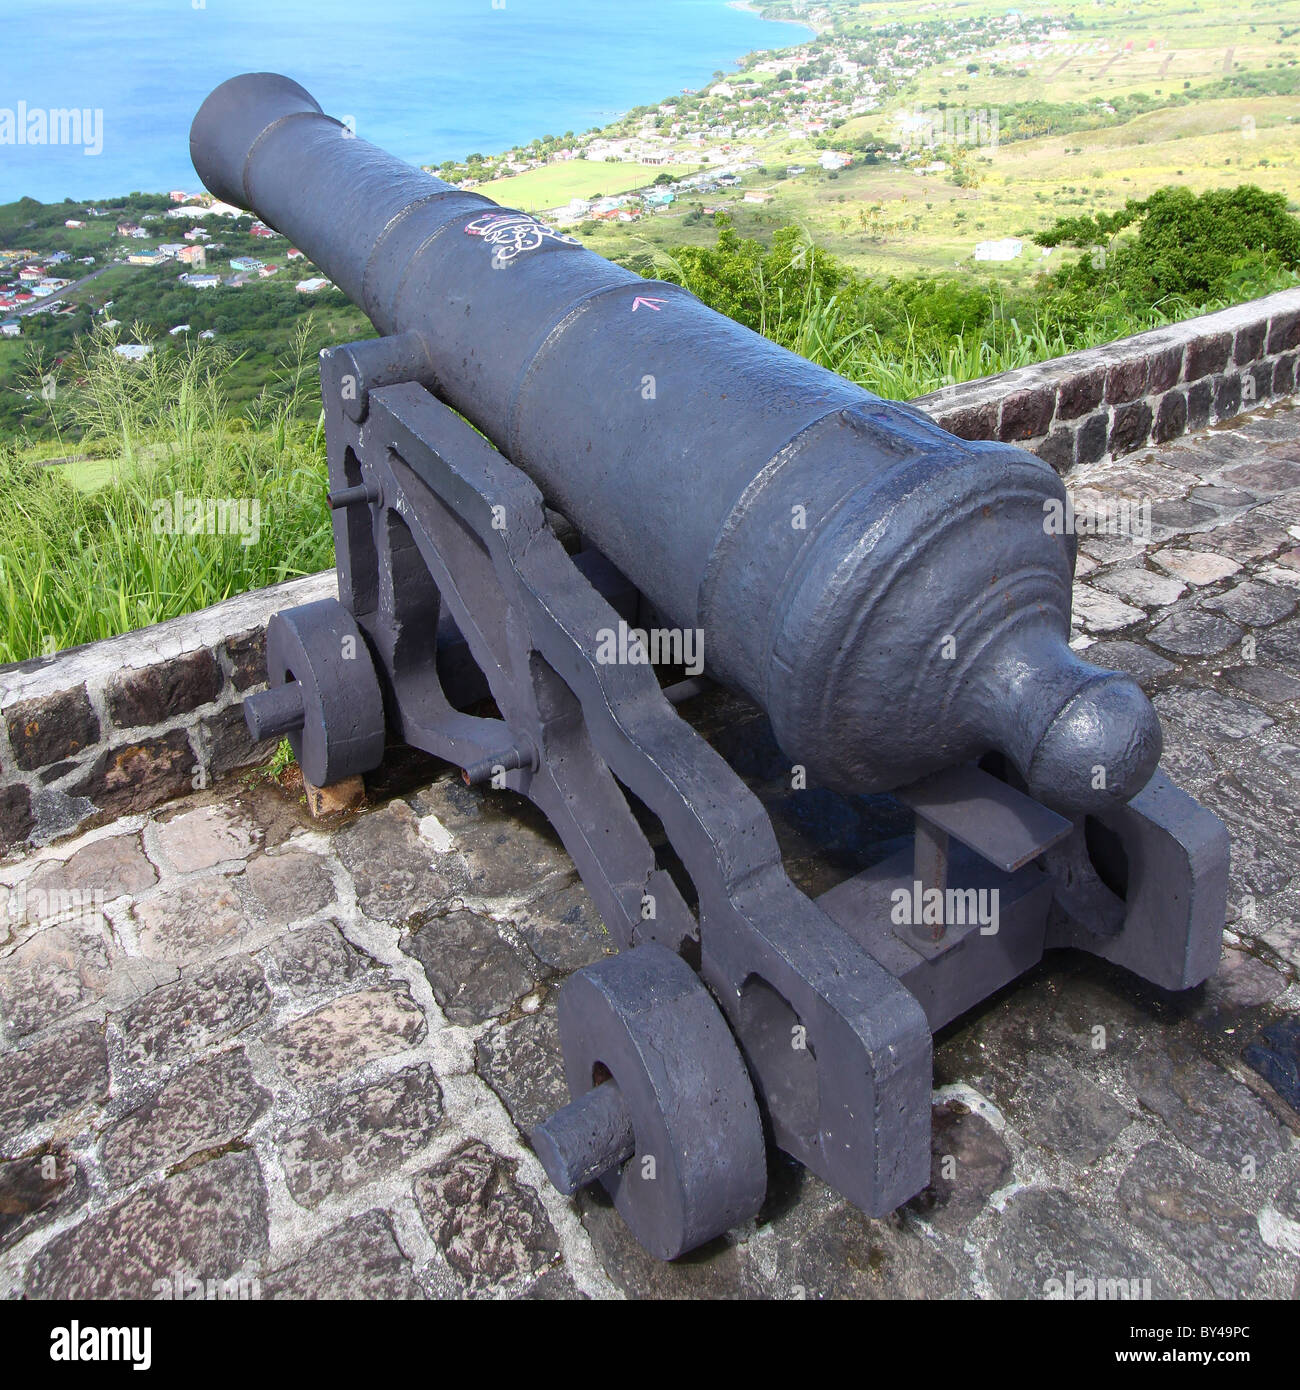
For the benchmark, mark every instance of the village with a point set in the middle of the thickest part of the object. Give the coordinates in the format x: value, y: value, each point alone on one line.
x: 803, y: 100
x: 791, y: 115
x: 34, y: 283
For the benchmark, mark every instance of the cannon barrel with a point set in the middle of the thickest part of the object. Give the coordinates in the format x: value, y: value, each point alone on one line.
x: 891, y: 595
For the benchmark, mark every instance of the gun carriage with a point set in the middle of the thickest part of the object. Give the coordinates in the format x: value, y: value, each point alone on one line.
x: 888, y: 594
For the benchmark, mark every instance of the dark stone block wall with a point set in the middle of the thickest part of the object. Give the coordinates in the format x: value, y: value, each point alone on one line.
x: 119, y: 726
x: 1138, y: 391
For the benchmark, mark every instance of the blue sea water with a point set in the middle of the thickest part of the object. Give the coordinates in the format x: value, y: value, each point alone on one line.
x: 428, y: 79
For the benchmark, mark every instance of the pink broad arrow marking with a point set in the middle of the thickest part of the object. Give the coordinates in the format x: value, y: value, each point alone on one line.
x: 649, y: 303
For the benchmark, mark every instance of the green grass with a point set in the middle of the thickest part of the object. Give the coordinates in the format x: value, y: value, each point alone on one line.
x: 88, y: 554
x: 829, y: 333
x: 80, y: 558
x: 82, y: 553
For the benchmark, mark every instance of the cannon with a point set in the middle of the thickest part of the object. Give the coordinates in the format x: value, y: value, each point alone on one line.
x: 889, y: 595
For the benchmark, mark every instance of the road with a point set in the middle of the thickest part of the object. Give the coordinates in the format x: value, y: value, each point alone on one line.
x: 58, y: 294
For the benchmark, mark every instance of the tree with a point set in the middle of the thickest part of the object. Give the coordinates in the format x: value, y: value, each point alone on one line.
x: 1182, y: 244
x: 765, y: 288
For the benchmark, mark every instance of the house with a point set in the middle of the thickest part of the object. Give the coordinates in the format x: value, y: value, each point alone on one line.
x: 193, y: 255
x: 127, y: 229
x: 11, y: 328
x: 317, y: 282
x: 145, y: 258
x: 133, y: 352
x: 1004, y: 249
x: 172, y: 249
x: 267, y: 271
x: 177, y: 196
x: 180, y: 328
x: 294, y: 254
x: 207, y: 335
x: 833, y: 160
x: 756, y: 197
x: 72, y: 222
x: 260, y: 229
x: 197, y: 234
x: 202, y: 282
x: 245, y: 263
x: 794, y: 170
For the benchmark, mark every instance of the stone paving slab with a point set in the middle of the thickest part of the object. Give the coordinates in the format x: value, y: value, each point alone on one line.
x: 244, y: 1053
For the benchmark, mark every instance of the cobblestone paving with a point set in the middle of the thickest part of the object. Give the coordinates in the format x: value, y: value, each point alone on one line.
x: 299, y: 1057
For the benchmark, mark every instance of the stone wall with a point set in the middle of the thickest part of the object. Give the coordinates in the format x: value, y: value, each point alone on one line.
x: 122, y: 725
x: 1137, y: 391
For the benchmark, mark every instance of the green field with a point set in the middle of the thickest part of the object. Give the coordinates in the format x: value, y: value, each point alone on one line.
x: 891, y: 219
x: 557, y: 184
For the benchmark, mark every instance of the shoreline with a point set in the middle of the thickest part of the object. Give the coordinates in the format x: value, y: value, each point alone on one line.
x: 817, y: 30
x: 186, y: 178
x: 430, y: 166
x: 739, y: 64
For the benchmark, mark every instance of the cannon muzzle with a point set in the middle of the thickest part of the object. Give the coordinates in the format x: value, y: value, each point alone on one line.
x: 891, y: 595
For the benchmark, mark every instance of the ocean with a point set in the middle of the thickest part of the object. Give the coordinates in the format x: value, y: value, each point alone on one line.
x: 427, y: 79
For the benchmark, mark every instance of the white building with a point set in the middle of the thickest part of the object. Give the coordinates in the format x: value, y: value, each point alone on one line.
x: 134, y: 352
x: 1007, y: 248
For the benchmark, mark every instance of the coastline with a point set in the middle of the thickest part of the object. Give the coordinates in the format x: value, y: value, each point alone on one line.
x: 150, y: 154
x: 815, y: 28
x: 810, y: 28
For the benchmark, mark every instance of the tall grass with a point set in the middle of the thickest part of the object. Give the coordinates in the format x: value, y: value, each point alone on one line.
x: 901, y: 366
x: 80, y: 563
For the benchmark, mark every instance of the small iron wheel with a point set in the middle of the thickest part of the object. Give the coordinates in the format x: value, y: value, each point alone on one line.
x: 323, y: 693
x: 663, y: 1110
